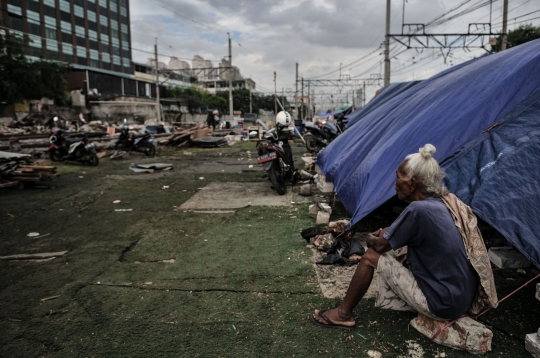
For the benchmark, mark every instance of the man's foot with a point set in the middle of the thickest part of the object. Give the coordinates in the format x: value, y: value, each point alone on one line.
x: 331, y: 319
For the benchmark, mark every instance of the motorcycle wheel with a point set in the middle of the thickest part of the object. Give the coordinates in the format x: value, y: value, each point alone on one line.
x: 313, y: 144
x: 55, y: 156
x: 277, y: 179
x: 149, y: 149
x: 93, y: 160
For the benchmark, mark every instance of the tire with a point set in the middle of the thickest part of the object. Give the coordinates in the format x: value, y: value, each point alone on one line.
x: 93, y: 159
x: 313, y: 144
x: 276, y: 178
x: 149, y: 149
x: 55, y: 156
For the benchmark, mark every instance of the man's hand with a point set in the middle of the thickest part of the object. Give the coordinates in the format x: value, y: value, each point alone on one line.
x: 377, y: 242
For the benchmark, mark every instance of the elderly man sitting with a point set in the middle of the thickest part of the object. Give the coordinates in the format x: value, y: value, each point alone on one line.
x: 450, y: 272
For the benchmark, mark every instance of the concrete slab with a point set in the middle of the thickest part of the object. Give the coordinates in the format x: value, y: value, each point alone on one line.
x: 506, y: 257
x: 219, y: 197
x: 532, y: 344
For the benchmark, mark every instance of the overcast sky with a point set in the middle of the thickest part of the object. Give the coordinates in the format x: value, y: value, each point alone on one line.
x: 274, y: 35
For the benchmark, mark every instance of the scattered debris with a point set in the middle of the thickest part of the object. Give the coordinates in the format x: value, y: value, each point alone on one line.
x: 33, y: 234
x: 116, y: 201
x: 45, y: 255
x: 15, y: 169
x: 49, y: 298
x: 123, y: 209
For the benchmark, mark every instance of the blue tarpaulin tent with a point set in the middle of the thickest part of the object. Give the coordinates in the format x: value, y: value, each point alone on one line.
x: 446, y: 110
x: 497, y: 174
x: 384, y: 95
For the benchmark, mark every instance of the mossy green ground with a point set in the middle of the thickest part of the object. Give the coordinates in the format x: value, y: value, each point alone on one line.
x: 240, y: 285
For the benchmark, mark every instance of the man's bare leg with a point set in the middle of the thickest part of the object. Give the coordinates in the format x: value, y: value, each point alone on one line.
x: 360, y: 282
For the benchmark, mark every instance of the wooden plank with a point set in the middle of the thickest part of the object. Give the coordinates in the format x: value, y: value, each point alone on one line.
x: 8, y: 184
x: 42, y: 255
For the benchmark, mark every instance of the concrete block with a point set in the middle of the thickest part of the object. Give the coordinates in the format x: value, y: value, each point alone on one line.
x: 325, y: 186
x: 326, y: 208
x: 506, y: 257
x: 305, y: 190
x: 466, y: 334
x: 313, y: 211
x: 532, y: 344
x: 538, y: 294
x: 323, y: 217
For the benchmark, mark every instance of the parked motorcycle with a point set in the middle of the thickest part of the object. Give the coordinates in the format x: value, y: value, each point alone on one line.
x: 142, y: 143
x: 73, y: 149
x: 275, y: 154
x: 318, y: 138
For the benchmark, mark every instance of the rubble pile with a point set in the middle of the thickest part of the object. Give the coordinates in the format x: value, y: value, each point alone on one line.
x: 17, y: 169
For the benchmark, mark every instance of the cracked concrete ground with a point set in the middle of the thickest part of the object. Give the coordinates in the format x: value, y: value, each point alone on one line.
x: 157, y: 281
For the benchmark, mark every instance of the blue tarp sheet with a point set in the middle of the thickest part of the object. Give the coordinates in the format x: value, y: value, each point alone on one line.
x: 446, y: 110
x: 326, y: 115
x: 384, y: 95
x: 498, y: 175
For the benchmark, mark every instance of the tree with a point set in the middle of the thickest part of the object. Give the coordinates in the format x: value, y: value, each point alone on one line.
x: 524, y: 33
x: 21, y: 79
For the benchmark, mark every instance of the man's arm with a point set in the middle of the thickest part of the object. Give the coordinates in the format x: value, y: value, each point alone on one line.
x: 377, y: 242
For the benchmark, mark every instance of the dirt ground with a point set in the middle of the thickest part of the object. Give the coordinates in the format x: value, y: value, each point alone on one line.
x: 159, y: 279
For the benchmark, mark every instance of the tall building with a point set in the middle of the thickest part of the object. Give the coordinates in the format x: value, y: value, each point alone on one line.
x: 90, y: 34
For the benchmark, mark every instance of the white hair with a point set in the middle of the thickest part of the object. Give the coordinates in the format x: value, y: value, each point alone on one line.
x: 425, y: 168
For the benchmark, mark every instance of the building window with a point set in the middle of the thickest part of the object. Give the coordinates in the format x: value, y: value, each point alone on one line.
x: 125, y: 53
x: 116, y: 50
x: 15, y: 10
x: 32, y: 5
x: 78, y: 11
x: 103, y: 20
x: 67, y: 37
x: 34, y: 41
x: 81, y: 56
x: 115, y: 34
x: 91, y: 16
x: 92, y: 25
x: 105, y: 30
x: 50, y: 33
x: 51, y: 21
x: 50, y: 11
x: 15, y: 22
x: 81, y: 41
x: 94, y: 58
x: 125, y: 29
x: 123, y: 3
x: 94, y: 45
x: 105, y: 57
x: 103, y: 3
x: 79, y: 2
x: 105, y: 38
x: 79, y: 31
x: 103, y: 11
x: 34, y: 27
x: 65, y: 6
x: 105, y: 48
x: 114, y: 24
x: 65, y: 16
x: 49, y: 3
x: 65, y: 26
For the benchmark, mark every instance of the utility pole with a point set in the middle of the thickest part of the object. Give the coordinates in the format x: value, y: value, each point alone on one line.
x: 158, y: 104
x: 309, y: 99
x: 296, y: 93
x: 303, y: 114
x: 364, y: 95
x: 250, y: 102
x: 505, y: 20
x: 283, y: 97
x: 275, y: 94
x: 387, y: 46
x: 230, y: 81
x: 340, y: 70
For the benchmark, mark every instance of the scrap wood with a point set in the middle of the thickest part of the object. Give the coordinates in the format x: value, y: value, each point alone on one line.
x: 8, y: 184
x: 182, y: 144
x: 49, y: 298
x: 43, y: 255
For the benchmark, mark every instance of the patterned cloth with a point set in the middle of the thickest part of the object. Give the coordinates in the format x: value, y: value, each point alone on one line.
x: 398, y: 289
x: 466, y: 223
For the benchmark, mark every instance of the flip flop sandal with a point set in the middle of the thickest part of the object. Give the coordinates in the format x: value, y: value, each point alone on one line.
x: 329, y: 323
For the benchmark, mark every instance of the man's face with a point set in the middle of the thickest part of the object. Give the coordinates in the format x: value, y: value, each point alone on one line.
x: 404, y: 187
